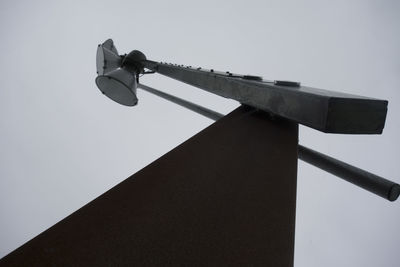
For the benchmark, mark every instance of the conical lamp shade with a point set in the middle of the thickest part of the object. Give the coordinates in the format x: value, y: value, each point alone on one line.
x: 109, y: 44
x: 119, y: 85
x: 106, y: 60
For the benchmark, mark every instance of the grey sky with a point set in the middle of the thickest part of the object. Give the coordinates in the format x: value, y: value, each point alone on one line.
x: 63, y: 143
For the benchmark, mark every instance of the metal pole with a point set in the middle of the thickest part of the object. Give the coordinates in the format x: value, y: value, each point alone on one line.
x: 369, y: 181
x: 184, y: 103
x: 323, y: 110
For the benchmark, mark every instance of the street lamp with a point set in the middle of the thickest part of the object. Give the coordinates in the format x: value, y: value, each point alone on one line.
x: 322, y: 110
x: 118, y: 75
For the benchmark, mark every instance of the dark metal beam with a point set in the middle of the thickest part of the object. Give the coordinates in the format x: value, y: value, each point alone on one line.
x: 211, y: 201
x: 324, y: 110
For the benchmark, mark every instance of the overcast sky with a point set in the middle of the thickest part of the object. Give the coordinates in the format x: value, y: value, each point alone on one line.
x: 63, y: 143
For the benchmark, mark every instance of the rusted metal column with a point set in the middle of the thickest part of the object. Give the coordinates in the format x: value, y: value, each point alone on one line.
x: 225, y: 197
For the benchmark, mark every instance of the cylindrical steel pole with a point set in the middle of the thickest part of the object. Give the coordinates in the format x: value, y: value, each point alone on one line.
x: 369, y: 181
x: 211, y: 114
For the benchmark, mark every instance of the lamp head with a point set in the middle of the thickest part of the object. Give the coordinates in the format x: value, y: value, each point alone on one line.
x: 119, y: 85
x: 118, y: 75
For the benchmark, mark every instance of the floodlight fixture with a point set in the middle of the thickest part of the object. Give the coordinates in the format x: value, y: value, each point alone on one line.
x: 118, y: 75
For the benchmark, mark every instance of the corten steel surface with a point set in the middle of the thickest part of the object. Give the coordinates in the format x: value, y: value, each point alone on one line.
x: 225, y: 197
x: 324, y: 110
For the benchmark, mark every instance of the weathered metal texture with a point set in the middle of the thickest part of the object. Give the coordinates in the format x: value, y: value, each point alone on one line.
x: 324, y: 110
x: 225, y: 197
